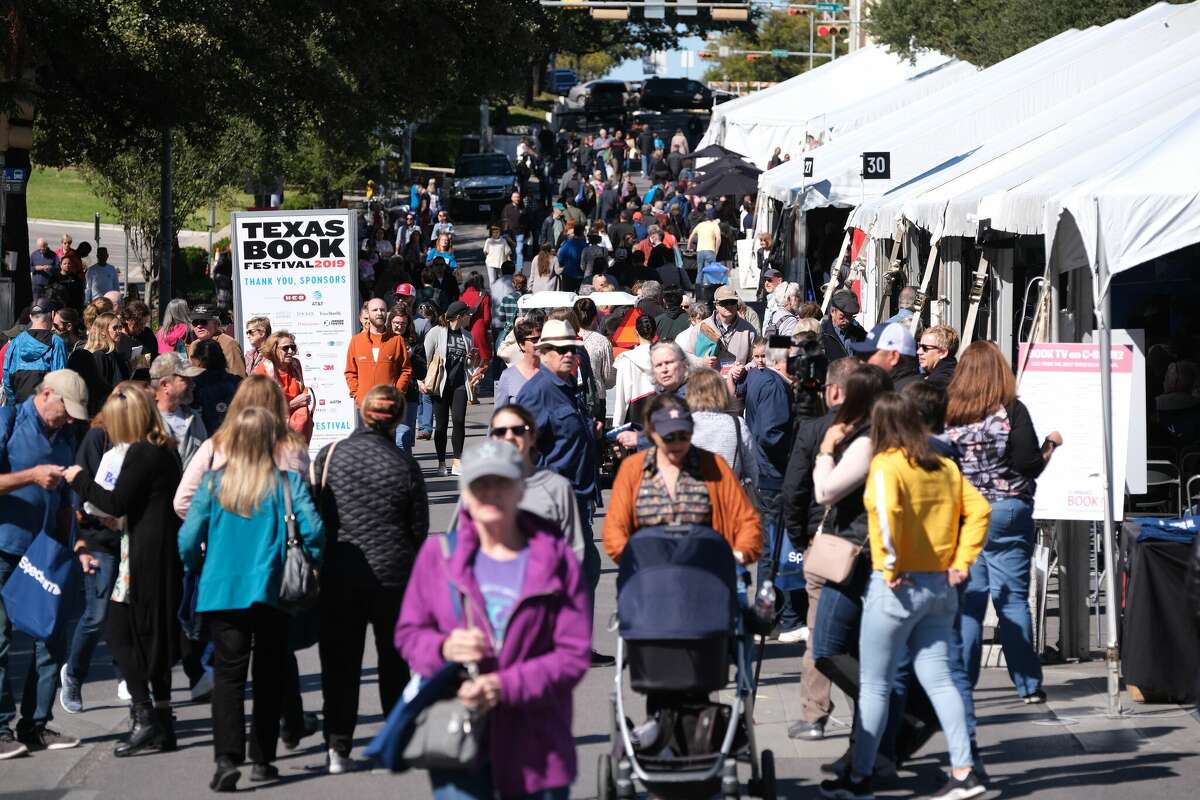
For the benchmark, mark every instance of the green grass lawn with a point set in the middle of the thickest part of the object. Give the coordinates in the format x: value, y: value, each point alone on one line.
x: 63, y: 194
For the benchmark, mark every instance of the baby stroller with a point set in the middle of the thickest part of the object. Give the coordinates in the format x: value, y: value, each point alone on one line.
x: 681, y: 628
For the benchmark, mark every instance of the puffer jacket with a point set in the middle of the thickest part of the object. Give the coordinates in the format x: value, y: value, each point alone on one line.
x: 29, y: 356
x: 375, y: 510
x: 635, y: 379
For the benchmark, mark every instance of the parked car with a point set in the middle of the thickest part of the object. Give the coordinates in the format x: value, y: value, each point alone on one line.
x: 599, y: 96
x: 665, y: 94
x: 482, y: 183
x: 561, y: 81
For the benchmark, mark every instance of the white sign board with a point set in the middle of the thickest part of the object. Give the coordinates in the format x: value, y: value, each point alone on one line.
x: 1061, y: 389
x: 300, y: 270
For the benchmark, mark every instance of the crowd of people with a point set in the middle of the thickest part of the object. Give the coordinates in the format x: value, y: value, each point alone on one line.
x: 175, y: 467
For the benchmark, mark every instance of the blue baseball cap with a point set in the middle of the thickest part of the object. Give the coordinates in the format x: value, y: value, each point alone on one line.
x: 888, y: 336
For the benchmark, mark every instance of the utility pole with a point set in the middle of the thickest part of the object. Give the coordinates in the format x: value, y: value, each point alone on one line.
x: 164, y: 226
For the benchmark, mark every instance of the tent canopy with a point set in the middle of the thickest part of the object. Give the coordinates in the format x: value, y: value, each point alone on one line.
x: 1144, y: 206
x: 1094, y: 127
x: 784, y: 114
x: 959, y: 120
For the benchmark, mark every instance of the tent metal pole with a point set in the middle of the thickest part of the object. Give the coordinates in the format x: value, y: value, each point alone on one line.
x: 1112, y: 652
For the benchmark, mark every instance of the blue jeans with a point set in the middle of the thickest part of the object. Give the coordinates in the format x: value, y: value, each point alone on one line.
x: 917, y: 617
x: 97, y: 588
x: 839, y: 614
x: 591, y: 555
x: 41, y: 679
x: 1002, y: 571
x: 460, y: 785
x: 958, y: 673
x: 519, y: 252
x: 704, y: 258
x: 789, y: 613
x: 406, y: 432
x: 424, y: 414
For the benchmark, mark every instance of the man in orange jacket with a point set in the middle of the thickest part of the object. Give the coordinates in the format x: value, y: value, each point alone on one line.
x: 376, y: 355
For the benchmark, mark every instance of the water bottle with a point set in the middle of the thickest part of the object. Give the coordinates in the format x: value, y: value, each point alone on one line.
x: 764, y: 602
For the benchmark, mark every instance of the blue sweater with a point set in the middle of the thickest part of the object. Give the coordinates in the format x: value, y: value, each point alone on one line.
x: 26, y: 442
x: 244, y: 562
x: 769, y: 416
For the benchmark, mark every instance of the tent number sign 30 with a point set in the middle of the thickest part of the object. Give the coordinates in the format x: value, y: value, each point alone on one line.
x: 877, y: 166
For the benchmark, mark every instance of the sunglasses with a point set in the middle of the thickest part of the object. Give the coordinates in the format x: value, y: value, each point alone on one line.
x: 255, y: 332
x: 925, y: 348
x: 728, y: 304
x: 289, y: 348
x: 680, y: 436
x: 562, y: 350
x: 502, y: 431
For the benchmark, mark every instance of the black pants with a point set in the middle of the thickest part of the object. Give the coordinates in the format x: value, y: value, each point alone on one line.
x: 346, y: 610
x: 125, y: 645
x: 260, y: 630
x: 452, y: 402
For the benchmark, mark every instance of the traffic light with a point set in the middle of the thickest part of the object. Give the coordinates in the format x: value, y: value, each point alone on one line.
x: 753, y: 56
x: 823, y: 30
x: 797, y: 12
x: 832, y: 30
x: 706, y: 54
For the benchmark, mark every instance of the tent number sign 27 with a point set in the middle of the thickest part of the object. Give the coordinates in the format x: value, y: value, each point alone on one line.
x: 808, y: 166
x: 877, y: 166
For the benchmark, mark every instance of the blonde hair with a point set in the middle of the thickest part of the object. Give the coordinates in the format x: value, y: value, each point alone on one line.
x: 258, y: 391
x: 129, y: 415
x: 94, y: 309
x: 98, y: 340
x: 271, y: 344
x: 706, y: 390
x: 262, y: 322
x: 250, y: 473
x: 944, y: 337
x: 807, y: 325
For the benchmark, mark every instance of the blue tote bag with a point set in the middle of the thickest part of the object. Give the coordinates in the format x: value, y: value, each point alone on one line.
x: 33, y: 595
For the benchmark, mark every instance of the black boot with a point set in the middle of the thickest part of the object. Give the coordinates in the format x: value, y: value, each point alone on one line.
x: 146, y: 733
x: 166, y: 722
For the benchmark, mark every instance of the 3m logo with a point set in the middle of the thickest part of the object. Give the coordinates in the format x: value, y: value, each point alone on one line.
x: 295, y: 298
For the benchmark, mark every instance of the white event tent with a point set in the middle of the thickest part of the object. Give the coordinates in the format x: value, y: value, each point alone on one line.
x: 936, y: 132
x: 866, y: 84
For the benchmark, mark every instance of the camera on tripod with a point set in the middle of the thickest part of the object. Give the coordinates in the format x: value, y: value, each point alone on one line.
x: 806, y: 362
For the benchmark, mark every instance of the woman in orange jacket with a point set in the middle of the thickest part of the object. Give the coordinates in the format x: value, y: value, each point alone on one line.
x: 674, y: 483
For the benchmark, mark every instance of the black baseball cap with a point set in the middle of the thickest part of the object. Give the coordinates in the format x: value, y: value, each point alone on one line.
x: 205, y: 311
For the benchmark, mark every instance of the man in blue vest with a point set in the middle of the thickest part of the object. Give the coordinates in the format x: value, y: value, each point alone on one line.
x: 37, y: 442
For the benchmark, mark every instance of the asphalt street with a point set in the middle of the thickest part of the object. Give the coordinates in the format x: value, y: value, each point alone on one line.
x: 1064, y: 749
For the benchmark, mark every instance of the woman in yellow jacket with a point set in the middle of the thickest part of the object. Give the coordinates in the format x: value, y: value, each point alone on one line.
x: 927, y: 525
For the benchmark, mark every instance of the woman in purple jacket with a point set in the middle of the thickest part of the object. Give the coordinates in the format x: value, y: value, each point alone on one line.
x: 524, y: 591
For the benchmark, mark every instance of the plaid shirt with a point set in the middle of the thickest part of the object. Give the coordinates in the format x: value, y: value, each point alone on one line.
x: 506, y: 315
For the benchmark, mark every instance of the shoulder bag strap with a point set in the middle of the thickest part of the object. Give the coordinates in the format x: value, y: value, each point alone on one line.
x: 289, y: 516
x: 737, y: 435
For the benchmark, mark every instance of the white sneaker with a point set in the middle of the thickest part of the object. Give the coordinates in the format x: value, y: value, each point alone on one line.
x: 123, y: 692
x: 794, y: 635
x: 336, y: 763
x: 203, y: 688
x: 456, y: 468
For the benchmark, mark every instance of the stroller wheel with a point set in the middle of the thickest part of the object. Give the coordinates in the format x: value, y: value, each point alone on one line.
x: 606, y: 783
x: 766, y: 787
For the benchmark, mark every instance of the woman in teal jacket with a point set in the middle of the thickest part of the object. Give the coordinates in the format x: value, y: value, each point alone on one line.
x: 235, y: 536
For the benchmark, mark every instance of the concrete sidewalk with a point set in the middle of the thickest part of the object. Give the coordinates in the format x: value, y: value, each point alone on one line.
x: 1064, y: 749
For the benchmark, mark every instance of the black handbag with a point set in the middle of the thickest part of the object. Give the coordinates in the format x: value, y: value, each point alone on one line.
x: 300, y: 588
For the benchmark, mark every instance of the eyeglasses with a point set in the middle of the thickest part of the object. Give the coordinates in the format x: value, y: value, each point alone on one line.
x: 680, y: 436
x: 117, y: 326
x: 925, y: 348
x: 255, y: 332
x: 288, y: 348
x: 515, y: 430
x: 562, y: 350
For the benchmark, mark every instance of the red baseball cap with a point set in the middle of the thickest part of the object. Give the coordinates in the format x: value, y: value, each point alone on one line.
x: 406, y: 289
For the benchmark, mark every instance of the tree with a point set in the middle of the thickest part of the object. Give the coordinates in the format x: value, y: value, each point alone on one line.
x: 201, y: 176
x: 984, y: 32
x: 777, y: 30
